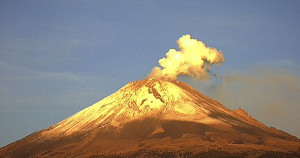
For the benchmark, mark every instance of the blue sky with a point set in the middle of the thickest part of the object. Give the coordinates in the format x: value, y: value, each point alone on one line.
x: 58, y: 57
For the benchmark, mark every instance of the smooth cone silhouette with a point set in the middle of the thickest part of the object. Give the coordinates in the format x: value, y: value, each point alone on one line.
x: 156, y: 118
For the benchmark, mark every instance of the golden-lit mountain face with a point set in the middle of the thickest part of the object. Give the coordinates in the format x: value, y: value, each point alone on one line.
x: 154, y: 118
x: 145, y: 99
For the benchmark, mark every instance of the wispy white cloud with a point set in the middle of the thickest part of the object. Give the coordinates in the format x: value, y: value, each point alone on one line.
x: 22, y: 88
x: 12, y: 72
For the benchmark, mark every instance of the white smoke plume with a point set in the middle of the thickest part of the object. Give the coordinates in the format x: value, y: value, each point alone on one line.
x: 193, y: 59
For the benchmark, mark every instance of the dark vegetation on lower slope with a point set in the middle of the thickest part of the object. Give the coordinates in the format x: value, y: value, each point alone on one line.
x: 209, y: 154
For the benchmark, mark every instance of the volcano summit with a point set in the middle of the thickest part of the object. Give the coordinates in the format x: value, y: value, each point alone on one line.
x: 156, y: 118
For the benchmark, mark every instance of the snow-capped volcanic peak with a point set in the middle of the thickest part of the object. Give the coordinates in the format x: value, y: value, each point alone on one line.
x: 152, y: 97
x: 139, y: 99
x: 148, y: 112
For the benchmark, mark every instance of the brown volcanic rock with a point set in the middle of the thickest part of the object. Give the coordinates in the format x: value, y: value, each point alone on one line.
x: 157, y: 118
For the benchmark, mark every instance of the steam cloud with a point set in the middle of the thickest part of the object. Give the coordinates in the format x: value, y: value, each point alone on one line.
x: 193, y: 59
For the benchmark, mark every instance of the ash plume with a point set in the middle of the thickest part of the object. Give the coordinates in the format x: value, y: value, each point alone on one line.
x: 194, y: 59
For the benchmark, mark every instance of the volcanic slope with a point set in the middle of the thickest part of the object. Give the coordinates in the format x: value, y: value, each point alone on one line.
x: 156, y: 118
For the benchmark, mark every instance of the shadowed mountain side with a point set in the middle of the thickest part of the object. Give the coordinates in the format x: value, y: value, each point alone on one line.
x: 137, y: 135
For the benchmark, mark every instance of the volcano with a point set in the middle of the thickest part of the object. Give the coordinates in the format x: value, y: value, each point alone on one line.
x: 157, y: 118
